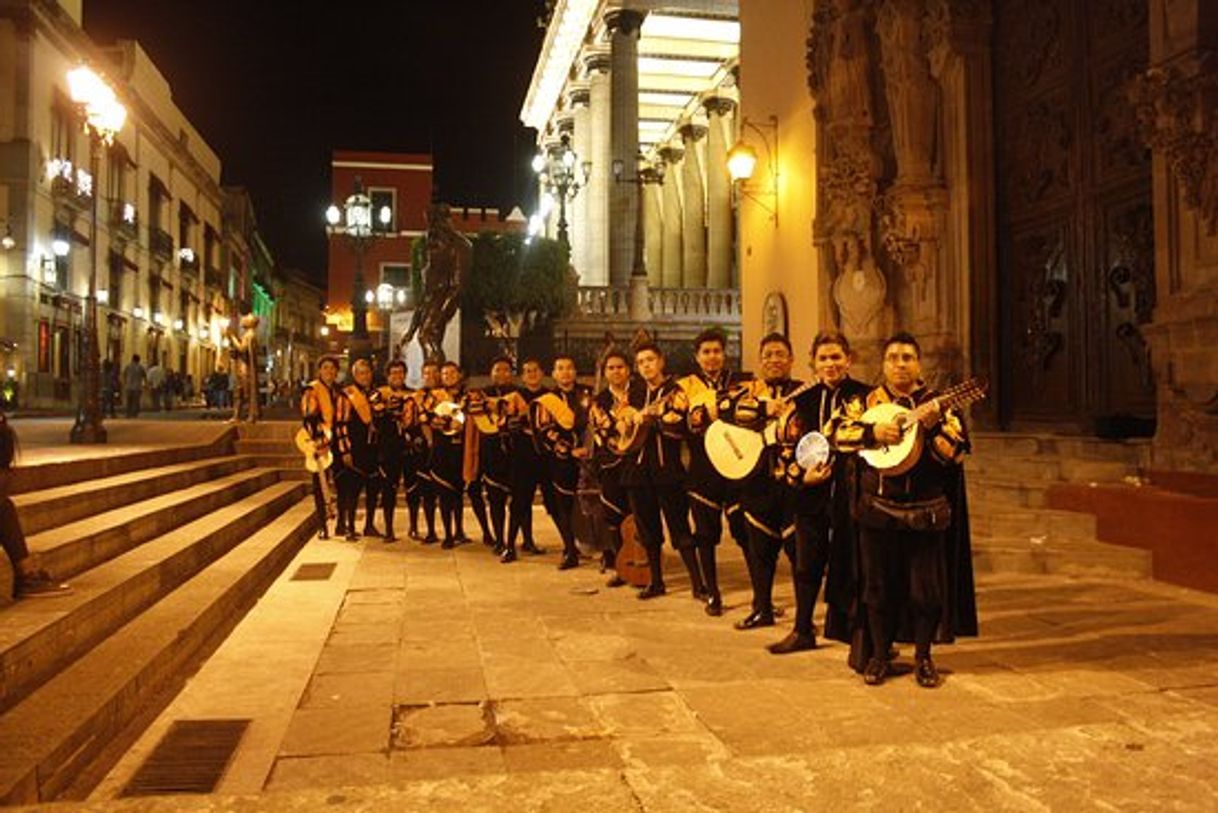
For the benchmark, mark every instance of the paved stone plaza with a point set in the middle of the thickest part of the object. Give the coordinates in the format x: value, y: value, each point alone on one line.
x: 420, y: 676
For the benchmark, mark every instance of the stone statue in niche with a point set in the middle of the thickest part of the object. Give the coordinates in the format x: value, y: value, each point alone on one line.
x: 859, y: 289
x: 913, y: 96
x: 849, y: 74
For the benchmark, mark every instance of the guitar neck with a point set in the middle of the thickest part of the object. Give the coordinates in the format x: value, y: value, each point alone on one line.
x: 953, y: 397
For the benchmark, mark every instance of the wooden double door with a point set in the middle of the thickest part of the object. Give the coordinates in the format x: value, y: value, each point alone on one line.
x: 1075, y: 225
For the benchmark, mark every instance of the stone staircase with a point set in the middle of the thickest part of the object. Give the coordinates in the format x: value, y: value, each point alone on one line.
x: 1009, y: 478
x: 166, y: 551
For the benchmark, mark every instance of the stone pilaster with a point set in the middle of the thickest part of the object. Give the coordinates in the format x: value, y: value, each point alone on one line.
x: 718, y: 193
x: 1177, y: 107
x: 623, y: 25
x: 694, y: 213
x: 653, y: 227
x: 600, y: 177
x: 578, y: 209
x: 672, y: 253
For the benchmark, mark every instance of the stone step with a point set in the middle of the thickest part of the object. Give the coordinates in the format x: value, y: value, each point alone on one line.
x: 1041, y: 523
x: 26, y: 479
x: 1003, y: 493
x: 1072, y: 558
x: 52, y: 507
x: 283, y: 462
x: 74, y: 548
x: 1032, y: 469
x: 269, y: 430
x: 75, y: 725
x: 266, y: 446
x: 40, y: 638
x: 1017, y: 444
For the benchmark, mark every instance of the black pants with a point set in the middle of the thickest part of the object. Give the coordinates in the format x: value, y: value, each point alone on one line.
x: 10, y: 533
x: 133, y: 403
x: 528, y: 474
x: 615, y: 507
x: 319, y: 499
x: 392, y: 474
x: 498, y: 491
x: 350, y: 482
x: 649, y: 504
x: 564, y: 479
x: 903, y: 572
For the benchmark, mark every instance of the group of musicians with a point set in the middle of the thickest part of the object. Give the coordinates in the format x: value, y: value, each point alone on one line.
x: 894, y: 547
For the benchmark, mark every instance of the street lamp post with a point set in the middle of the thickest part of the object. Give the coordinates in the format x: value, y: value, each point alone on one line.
x: 354, y: 221
x: 557, y: 169
x: 640, y: 309
x: 103, y: 118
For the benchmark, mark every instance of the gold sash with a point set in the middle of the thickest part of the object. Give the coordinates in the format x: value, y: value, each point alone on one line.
x: 360, y: 401
x: 324, y: 402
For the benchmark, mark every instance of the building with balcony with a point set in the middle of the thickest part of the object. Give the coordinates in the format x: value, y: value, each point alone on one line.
x: 166, y: 284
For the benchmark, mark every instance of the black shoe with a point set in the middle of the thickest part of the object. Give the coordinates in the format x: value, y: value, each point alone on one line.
x: 415, y: 535
x: 340, y: 529
x: 508, y: 555
x: 532, y: 549
x: 39, y: 585
x: 498, y: 549
x: 461, y: 539
x: 876, y: 671
x: 714, y: 606
x: 490, y: 543
x: 352, y: 536
x: 700, y: 593
x: 926, y: 673
x: 370, y: 530
x: 390, y: 538
x: 447, y: 544
x: 616, y: 581
x: 568, y: 561
x: 795, y: 642
x: 323, y: 534
x: 755, y: 619
x: 652, y: 591
x: 430, y: 539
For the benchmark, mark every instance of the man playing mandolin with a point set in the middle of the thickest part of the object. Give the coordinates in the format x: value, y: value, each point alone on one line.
x: 915, y: 560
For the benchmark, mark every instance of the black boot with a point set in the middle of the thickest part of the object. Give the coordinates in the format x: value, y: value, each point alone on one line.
x: 689, y: 556
x: 926, y: 673
x: 795, y: 642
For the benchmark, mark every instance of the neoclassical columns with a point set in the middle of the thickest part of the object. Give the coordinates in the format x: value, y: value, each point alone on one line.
x: 693, y: 218
x: 671, y: 255
x: 578, y: 208
x: 718, y: 193
x: 623, y: 25
x: 653, y: 227
x: 599, y: 152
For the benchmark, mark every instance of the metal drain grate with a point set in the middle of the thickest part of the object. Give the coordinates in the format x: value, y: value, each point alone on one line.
x: 314, y: 572
x: 190, y: 758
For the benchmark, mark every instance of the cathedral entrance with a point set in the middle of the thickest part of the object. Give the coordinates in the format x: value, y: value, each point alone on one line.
x: 1075, y: 226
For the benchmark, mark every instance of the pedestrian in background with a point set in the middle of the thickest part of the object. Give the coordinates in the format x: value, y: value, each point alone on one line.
x: 156, y: 383
x: 134, y: 379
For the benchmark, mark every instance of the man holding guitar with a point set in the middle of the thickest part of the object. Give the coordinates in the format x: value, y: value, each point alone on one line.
x: 317, y: 406
x: 653, y: 474
x: 526, y: 469
x: 915, y: 558
x: 355, y: 434
x: 709, y: 492
x: 614, y: 500
x: 424, y: 494
x: 392, y: 425
x: 562, y: 449
x: 489, y: 408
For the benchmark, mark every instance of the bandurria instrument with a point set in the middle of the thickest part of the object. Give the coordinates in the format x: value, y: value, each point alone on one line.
x: 629, y: 421
x: 735, y: 450
x: 632, y: 563
x: 898, y: 458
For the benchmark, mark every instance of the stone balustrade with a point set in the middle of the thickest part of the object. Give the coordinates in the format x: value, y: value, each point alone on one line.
x: 706, y: 305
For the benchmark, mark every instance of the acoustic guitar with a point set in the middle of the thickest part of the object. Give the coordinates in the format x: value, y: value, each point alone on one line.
x: 318, y: 460
x: 900, y: 457
x: 735, y: 450
x: 630, y: 423
x: 633, y: 564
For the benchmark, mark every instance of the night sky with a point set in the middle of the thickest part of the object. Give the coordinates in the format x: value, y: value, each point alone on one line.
x: 275, y: 85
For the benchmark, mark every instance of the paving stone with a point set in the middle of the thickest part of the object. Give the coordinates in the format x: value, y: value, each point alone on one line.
x: 509, y: 677
x: 362, y: 729
x: 457, y: 685
x: 455, y: 724
x: 645, y: 714
x: 552, y: 718
x: 294, y: 773
x: 631, y: 675
x: 445, y: 763
x: 549, y: 756
x: 371, y: 657
x: 346, y: 690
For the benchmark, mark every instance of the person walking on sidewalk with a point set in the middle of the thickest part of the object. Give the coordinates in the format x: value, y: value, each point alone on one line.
x: 29, y: 580
x: 156, y: 383
x: 134, y: 378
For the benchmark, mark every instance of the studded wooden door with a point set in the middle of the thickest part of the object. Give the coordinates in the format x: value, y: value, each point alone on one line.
x: 1075, y: 228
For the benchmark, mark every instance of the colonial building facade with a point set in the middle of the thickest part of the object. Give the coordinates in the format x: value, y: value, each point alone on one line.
x: 168, y: 281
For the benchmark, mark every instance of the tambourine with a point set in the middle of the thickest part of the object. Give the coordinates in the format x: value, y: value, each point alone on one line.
x: 812, y: 451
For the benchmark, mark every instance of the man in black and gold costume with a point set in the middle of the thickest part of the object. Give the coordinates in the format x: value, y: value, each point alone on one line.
x: 654, y: 475
x: 396, y: 413
x: 318, y: 404
x: 424, y: 492
x: 355, y: 436
x: 495, y: 454
x: 615, y: 503
x: 710, y: 494
x: 915, y: 561
x: 527, y: 472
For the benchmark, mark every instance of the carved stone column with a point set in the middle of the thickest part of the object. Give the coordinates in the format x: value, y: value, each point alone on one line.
x: 653, y: 227
x: 596, y: 255
x: 672, y: 253
x: 718, y: 193
x: 578, y: 100
x: 959, y: 35
x: 623, y: 25
x: 694, y: 214
x: 1177, y: 106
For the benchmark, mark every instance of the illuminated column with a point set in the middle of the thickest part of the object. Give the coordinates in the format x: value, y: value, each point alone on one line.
x: 694, y: 213
x: 653, y: 227
x: 672, y: 252
x: 718, y: 194
x: 623, y: 25
x: 577, y: 211
x: 600, y: 172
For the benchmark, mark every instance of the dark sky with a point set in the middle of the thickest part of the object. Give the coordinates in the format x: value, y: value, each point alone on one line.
x: 275, y: 85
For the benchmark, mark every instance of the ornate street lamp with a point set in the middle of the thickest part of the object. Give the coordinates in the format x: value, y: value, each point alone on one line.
x: 354, y: 221
x: 563, y: 176
x: 640, y: 309
x: 103, y: 117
